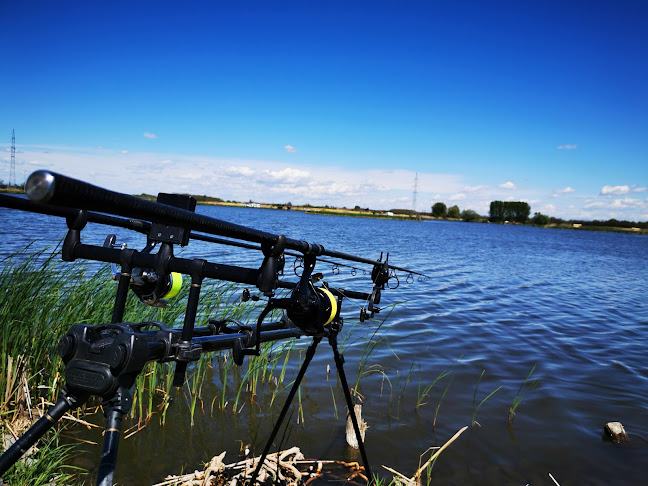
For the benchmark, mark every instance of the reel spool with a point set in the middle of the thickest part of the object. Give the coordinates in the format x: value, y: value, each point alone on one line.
x: 318, y: 312
x: 150, y: 288
x: 310, y: 308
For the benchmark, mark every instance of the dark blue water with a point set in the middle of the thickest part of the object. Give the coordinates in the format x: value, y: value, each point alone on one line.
x: 499, y: 301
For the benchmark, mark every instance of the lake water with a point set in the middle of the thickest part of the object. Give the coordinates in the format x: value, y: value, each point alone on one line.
x: 499, y: 301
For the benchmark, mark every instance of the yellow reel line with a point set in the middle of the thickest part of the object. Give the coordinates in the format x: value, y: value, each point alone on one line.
x: 176, y: 285
x: 334, y: 306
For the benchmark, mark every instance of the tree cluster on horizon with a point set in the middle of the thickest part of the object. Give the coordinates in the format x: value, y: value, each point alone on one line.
x: 440, y: 210
x: 502, y: 211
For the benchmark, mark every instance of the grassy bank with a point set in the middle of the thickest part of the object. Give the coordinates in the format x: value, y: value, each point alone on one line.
x: 12, y: 189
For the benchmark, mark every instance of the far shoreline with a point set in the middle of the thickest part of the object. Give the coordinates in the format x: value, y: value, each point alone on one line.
x: 401, y: 215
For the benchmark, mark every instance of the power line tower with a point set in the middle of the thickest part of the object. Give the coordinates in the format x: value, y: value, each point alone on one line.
x: 414, y: 195
x: 12, y: 167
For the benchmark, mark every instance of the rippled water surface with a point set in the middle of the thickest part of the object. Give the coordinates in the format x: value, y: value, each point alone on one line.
x: 500, y: 300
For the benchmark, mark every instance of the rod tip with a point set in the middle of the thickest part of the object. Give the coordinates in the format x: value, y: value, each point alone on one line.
x: 40, y: 186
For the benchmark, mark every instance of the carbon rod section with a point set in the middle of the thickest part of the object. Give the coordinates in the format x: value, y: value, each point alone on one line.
x: 56, y: 189
x: 112, y: 255
x: 71, y: 210
x: 226, y: 341
x: 21, y: 204
x: 52, y: 188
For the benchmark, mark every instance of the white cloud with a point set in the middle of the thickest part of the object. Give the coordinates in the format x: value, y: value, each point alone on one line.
x: 150, y: 135
x: 628, y: 202
x: 245, y: 179
x: 288, y: 174
x: 335, y: 185
x: 565, y: 190
x: 244, y: 171
x: 567, y: 146
x: 594, y: 204
x: 474, y: 189
x: 290, y: 148
x: 614, y: 190
x: 193, y: 176
x: 547, y: 209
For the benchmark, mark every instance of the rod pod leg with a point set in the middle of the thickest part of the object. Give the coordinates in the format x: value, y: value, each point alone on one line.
x: 114, y: 408
x: 310, y: 352
x: 339, y: 363
x: 66, y: 401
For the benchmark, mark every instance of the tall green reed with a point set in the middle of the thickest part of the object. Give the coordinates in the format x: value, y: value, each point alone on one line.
x: 438, y: 407
x: 41, y: 297
x: 476, y: 406
x: 521, y: 393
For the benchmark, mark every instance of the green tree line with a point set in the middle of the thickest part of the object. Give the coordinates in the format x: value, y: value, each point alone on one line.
x: 516, y: 211
x: 519, y: 212
x: 440, y: 210
x: 500, y: 211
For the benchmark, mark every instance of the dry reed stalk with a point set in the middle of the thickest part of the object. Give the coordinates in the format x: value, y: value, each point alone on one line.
x: 27, y: 397
x: 416, y: 479
x: 81, y: 421
x: 281, y: 463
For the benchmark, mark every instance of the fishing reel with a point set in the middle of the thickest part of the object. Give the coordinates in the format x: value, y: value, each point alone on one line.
x: 309, y: 307
x: 150, y: 287
x: 312, y: 310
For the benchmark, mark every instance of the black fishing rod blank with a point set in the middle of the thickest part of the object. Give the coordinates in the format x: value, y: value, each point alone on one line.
x: 14, y: 202
x: 56, y: 189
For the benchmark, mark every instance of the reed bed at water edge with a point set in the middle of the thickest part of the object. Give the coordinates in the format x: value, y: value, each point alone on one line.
x: 41, y: 297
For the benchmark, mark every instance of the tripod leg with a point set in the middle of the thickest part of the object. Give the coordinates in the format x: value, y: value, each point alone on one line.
x: 115, y: 408
x: 64, y: 403
x: 339, y: 363
x: 302, y: 371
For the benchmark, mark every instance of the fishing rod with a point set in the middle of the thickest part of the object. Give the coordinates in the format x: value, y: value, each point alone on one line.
x: 144, y: 227
x: 56, y: 189
x: 104, y: 360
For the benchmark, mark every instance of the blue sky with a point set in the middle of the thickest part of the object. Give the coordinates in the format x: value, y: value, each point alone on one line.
x: 340, y: 103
